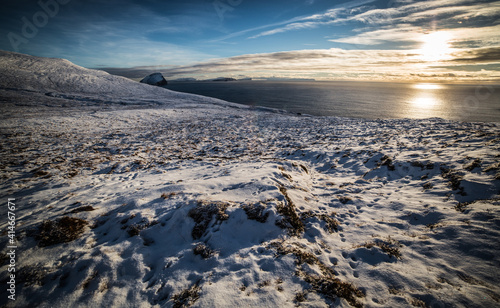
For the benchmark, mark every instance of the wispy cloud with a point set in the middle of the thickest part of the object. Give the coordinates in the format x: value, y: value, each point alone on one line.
x: 450, y: 13
x: 400, y: 34
x: 311, y: 21
x: 457, y: 12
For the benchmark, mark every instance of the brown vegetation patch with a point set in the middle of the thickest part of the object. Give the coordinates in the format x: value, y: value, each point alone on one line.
x: 186, y: 297
x: 454, y: 178
x: 168, y: 196
x: 344, y: 199
x: 135, y: 229
x: 301, y: 296
x: 492, y: 167
x: 256, y: 212
x: 203, y: 214
x: 302, y: 256
x: 387, y: 161
x: 89, y: 279
x: 422, y: 166
x: 462, y: 206
x: 390, y: 247
x: 290, y: 220
x: 85, y: 208
x: 204, y: 251
x: 41, y: 173
x: 331, y: 287
x: 62, y: 230
x: 331, y: 224
x: 32, y: 275
x: 326, y: 284
x: 264, y: 283
x: 395, y: 290
x: 427, y: 185
x: 470, y: 280
x: 287, y: 176
x: 476, y: 163
x: 417, y: 302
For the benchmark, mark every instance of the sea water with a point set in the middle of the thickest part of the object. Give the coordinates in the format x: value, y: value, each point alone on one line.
x: 370, y: 100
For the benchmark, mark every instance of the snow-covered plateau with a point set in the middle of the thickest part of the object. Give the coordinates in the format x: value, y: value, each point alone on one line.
x: 131, y: 195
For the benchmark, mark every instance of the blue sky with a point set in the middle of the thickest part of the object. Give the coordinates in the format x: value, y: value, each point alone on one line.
x: 432, y: 40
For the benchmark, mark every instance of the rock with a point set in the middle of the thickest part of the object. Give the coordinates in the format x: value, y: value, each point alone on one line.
x: 155, y: 79
x: 224, y: 79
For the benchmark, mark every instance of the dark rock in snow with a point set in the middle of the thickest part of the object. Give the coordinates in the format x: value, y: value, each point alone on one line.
x: 155, y: 79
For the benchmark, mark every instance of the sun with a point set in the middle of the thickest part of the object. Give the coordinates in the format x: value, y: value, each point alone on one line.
x: 436, y: 46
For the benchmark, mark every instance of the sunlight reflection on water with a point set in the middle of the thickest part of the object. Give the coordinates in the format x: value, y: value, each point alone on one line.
x: 427, y: 86
x: 360, y: 99
x: 425, y: 101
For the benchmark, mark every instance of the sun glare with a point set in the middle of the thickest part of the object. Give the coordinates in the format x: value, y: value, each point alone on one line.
x: 436, y: 46
x: 423, y: 102
x: 426, y: 86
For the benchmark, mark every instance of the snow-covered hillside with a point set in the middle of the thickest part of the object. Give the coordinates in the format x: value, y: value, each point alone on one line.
x: 21, y: 71
x: 60, y: 78
x: 151, y: 198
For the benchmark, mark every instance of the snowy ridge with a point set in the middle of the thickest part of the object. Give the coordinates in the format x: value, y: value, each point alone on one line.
x: 24, y: 72
x: 186, y: 203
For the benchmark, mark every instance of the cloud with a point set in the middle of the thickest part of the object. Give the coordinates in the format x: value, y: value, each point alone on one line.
x: 289, y: 27
x: 405, y: 34
x: 297, y: 61
x: 408, y: 36
x: 401, y: 14
x: 312, y: 21
x: 455, y: 12
x: 476, y: 56
x: 335, y: 63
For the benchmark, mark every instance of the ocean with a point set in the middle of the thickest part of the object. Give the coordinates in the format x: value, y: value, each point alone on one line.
x: 369, y: 100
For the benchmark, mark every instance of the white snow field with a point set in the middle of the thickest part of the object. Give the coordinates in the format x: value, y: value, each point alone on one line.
x: 130, y: 195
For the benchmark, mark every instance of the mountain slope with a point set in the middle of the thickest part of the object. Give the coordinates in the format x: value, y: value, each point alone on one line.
x: 21, y: 72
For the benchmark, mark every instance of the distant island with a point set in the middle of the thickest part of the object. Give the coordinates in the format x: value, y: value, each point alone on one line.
x: 223, y: 79
x: 190, y: 79
x: 288, y: 79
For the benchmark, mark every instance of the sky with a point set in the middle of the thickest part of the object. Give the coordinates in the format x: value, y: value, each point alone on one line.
x: 374, y: 40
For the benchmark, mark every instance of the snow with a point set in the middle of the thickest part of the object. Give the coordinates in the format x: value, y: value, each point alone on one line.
x: 416, y: 201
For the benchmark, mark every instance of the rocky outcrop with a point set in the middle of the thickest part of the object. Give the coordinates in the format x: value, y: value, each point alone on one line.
x: 155, y: 79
